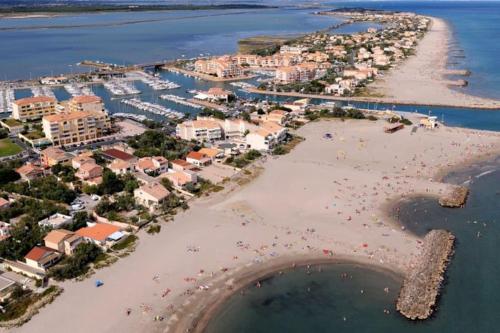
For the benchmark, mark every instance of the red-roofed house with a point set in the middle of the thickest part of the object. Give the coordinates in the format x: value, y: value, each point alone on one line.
x: 155, y: 164
x: 41, y: 257
x: 198, y: 159
x: 116, y: 154
x: 30, y: 171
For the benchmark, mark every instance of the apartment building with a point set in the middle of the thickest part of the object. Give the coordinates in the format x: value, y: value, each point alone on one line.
x: 75, y: 127
x: 223, y: 67
x: 200, y: 130
x: 33, y: 107
x: 86, y: 103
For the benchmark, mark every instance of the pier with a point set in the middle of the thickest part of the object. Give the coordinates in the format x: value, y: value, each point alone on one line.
x: 456, y: 198
x: 420, y: 290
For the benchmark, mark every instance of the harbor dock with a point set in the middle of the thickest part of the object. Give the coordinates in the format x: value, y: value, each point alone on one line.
x: 420, y: 290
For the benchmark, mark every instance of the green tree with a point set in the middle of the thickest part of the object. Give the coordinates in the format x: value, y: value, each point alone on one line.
x: 110, y: 183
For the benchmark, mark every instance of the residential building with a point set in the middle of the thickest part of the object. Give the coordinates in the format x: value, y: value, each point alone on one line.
x: 90, y: 173
x: 33, y: 107
x: 54, y: 155
x: 117, y: 154
x: 155, y: 165
x: 4, y: 230
x: 266, y: 137
x: 198, y: 159
x: 41, y: 257
x: 4, y: 203
x: 199, y: 130
x: 86, y: 103
x: 30, y: 171
x: 223, y: 67
x: 101, y: 234
x: 211, y: 153
x: 80, y: 160
x: 75, y: 127
x: 151, y: 195
x: 56, y: 221
x: 180, y: 165
x: 63, y: 241
x: 120, y: 167
x: 181, y: 178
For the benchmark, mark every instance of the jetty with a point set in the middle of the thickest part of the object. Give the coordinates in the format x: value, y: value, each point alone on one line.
x: 456, y: 198
x: 420, y: 290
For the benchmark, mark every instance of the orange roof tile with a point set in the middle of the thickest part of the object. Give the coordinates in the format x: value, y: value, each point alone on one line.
x: 38, y: 252
x: 31, y: 100
x: 86, y: 99
x: 99, y: 232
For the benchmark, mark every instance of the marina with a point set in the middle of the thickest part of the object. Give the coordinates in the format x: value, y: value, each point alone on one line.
x: 42, y: 91
x: 153, y: 108
x: 155, y: 82
x: 75, y: 89
x: 121, y: 88
x: 133, y: 116
x: 180, y: 100
x: 6, y: 99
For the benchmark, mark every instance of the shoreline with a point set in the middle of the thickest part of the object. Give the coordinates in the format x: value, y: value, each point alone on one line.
x: 249, y: 277
x: 382, y: 100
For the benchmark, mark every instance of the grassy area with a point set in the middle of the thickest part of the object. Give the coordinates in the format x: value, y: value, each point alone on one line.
x: 288, y: 146
x: 12, y: 122
x: 21, y: 300
x: 127, y: 243
x: 34, y: 135
x: 254, y: 44
x: 7, y: 148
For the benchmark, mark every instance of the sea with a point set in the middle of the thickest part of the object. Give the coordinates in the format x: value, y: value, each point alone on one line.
x: 297, y: 301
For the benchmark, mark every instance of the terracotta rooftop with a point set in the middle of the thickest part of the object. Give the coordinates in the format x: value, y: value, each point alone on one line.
x: 38, y: 252
x: 31, y: 100
x: 98, y: 232
x: 196, y: 155
x: 156, y: 190
x: 66, y: 116
x: 118, y: 154
x: 57, y: 236
x: 28, y: 168
x: 86, y: 99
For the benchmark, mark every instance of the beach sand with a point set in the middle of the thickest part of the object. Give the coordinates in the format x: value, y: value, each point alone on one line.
x: 327, y: 194
x: 421, y: 79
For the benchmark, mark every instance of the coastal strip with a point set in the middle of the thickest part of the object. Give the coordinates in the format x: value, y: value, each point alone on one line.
x: 418, y: 296
x: 384, y: 100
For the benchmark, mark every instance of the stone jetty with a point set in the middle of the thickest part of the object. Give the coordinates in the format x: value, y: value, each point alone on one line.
x: 418, y: 295
x: 455, y: 198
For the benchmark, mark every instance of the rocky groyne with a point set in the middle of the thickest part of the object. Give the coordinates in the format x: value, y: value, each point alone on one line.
x: 420, y: 290
x: 455, y: 198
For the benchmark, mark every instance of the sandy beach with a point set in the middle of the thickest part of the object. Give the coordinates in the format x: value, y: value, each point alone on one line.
x: 327, y: 194
x: 421, y: 79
